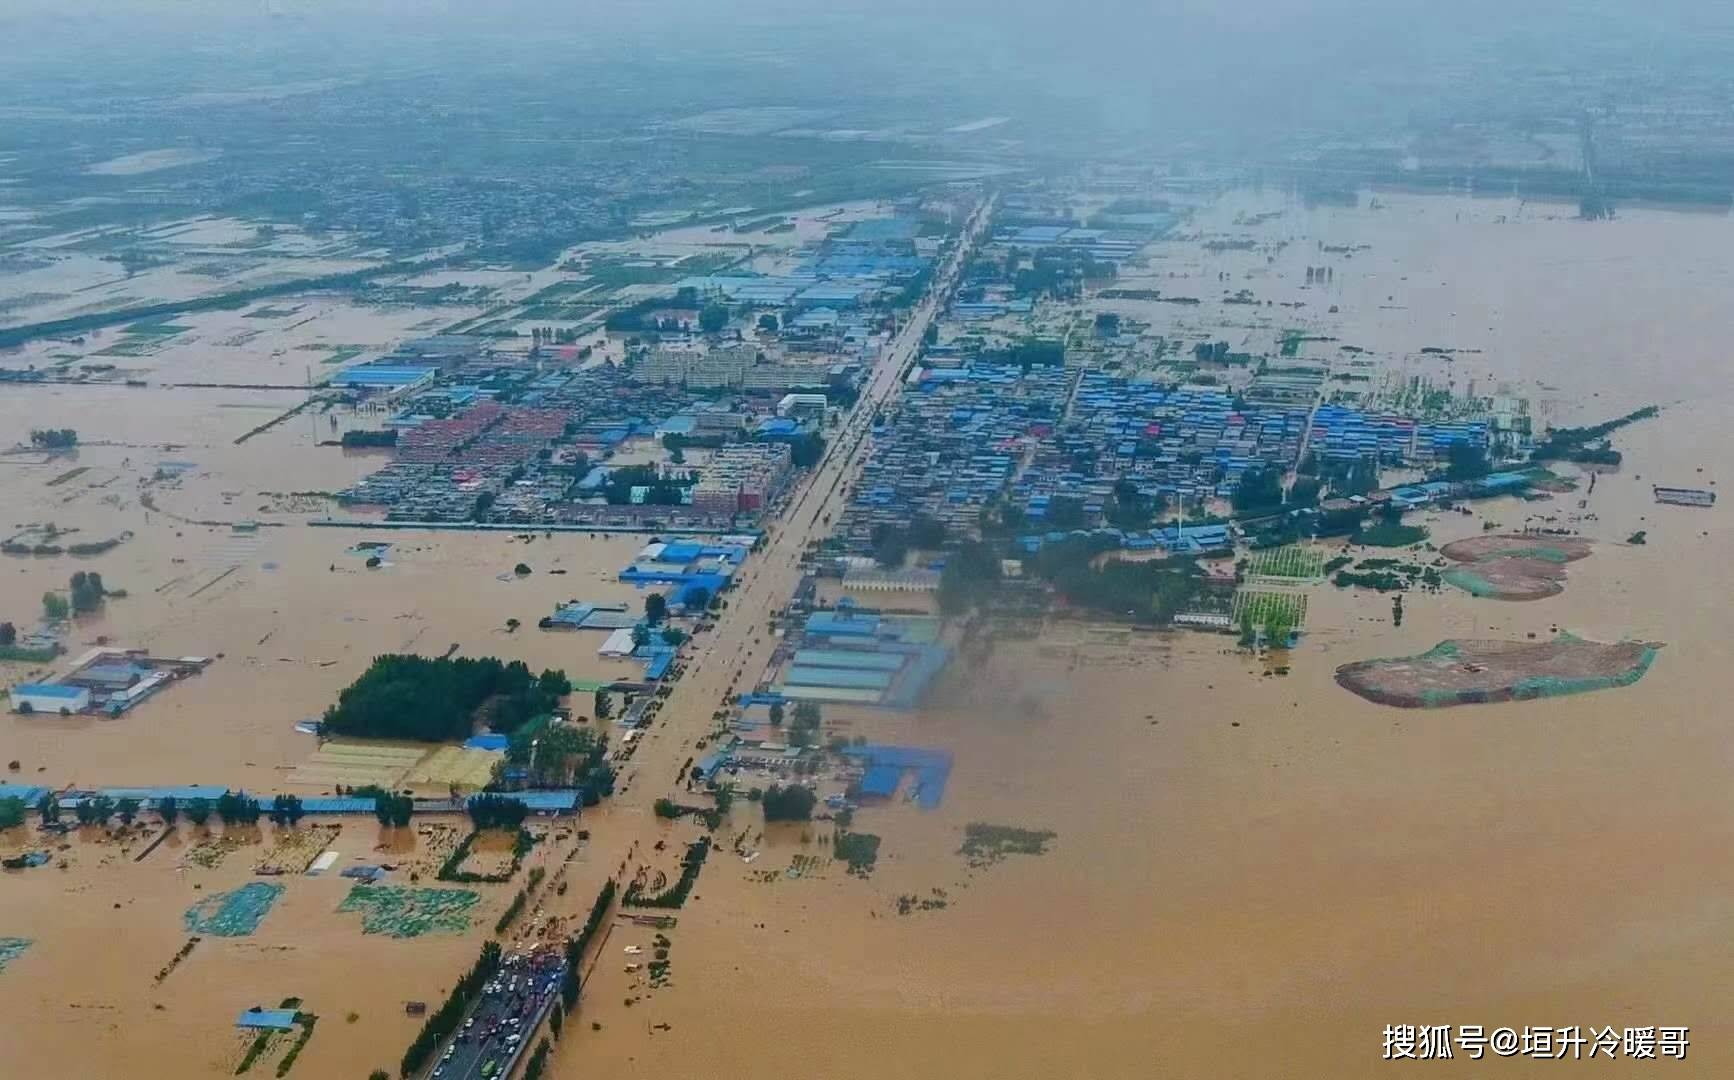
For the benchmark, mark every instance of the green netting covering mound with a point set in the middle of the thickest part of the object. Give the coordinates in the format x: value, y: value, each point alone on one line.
x: 233, y: 914
x: 1513, y: 566
x: 1554, y: 549
x: 406, y: 912
x: 1464, y: 672
x: 11, y: 948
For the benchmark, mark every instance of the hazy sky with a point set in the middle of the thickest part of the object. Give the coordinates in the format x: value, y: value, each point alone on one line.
x: 1251, y: 66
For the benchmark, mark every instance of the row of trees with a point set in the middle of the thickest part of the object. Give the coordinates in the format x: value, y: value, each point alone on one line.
x: 445, y: 1021
x: 54, y: 438
x: 231, y: 808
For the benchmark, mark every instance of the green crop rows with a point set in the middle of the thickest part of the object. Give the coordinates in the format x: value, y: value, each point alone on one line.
x: 1289, y: 561
x: 1264, y: 608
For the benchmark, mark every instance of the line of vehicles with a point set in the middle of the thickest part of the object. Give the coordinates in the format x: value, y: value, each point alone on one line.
x: 504, y: 1016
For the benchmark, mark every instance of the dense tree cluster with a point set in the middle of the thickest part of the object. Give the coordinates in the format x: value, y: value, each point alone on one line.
x: 237, y: 808
x: 286, y: 810
x: 804, y: 729
x: 497, y: 812
x: 87, y: 591
x: 1149, y: 591
x: 557, y: 754
x: 1259, y: 490
x: 362, y: 437
x: 713, y: 317
x: 971, y: 574
x: 403, y: 696
x: 807, y: 450
x: 791, y: 803
x: 54, y: 607
x: 54, y: 438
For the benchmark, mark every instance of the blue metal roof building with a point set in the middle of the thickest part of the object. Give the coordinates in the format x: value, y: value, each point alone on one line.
x: 267, y: 1019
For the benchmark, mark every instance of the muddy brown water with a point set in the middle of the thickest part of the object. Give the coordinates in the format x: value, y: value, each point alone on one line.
x: 1238, y: 901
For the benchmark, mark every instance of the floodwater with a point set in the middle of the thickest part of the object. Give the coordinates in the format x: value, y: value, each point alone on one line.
x: 1255, y: 873
x: 1252, y: 873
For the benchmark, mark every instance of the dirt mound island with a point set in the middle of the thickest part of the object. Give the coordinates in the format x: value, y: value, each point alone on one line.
x: 1464, y: 672
x: 1513, y: 566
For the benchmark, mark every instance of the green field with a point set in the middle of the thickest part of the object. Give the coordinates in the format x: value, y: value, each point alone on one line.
x: 1302, y: 562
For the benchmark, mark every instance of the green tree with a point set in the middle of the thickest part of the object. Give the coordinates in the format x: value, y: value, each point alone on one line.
x: 673, y: 635
x: 127, y: 809
x: 890, y: 546
x: 1277, y: 631
x: 604, y: 705
x: 169, y: 808
x: 1304, y: 491
x: 553, y: 685
x: 286, y: 810
x: 1066, y: 512
x: 436, y: 700
x: 54, y: 438
x: 971, y: 574
x: 1259, y: 489
x: 560, y: 750
x: 94, y: 810
x: 199, y: 810
x: 49, y: 808
x: 655, y: 608
x: 776, y: 714
x: 54, y: 607
x: 8, y: 635
x: 926, y: 532
x: 12, y: 813
x: 496, y: 812
x: 712, y: 318
x: 697, y: 598
x: 792, y: 803
x: 807, y: 450
x: 768, y: 322
x: 392, y: 810
x: 1465, y: 461
x: 87, y: 591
